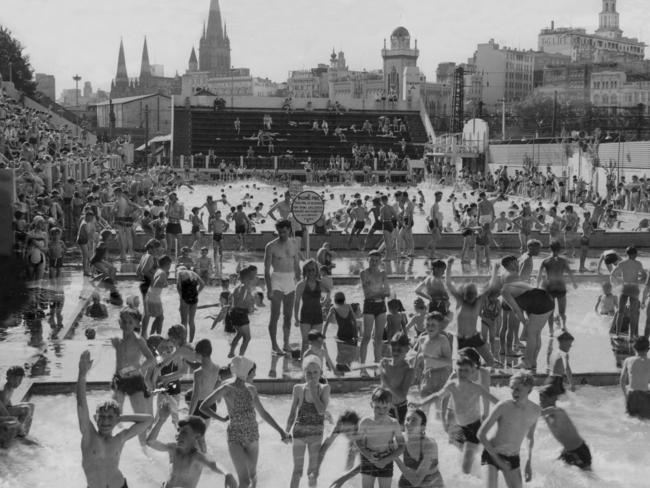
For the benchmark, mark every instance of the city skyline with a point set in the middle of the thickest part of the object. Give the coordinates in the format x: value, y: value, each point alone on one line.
x: 278, y: 38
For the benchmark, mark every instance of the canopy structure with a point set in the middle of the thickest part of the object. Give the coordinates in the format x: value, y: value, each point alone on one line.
x: 156, y: 140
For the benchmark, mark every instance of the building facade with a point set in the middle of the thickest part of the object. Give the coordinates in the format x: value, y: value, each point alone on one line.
x: 618, y: 89
x: 401, y: 74
x: 607, y: 44
x: 214, y: 46
x: 46, y: 84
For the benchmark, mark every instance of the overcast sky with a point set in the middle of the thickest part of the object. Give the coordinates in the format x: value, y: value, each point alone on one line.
x: 272, y: 37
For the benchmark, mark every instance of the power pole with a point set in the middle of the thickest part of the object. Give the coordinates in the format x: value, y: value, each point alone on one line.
x: 503, y: 120
x: 146, y: 134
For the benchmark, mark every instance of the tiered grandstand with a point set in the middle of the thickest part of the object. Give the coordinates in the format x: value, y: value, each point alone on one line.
x: 199, y: 130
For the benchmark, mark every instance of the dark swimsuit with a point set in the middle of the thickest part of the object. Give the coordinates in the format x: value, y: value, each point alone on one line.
x: 174, y: 387
x: 311, y: 312
x: 535, y: 302
x: 130, y: 385
x: 414, y: 464
x: 374, y: 307
x: 580, y: 457
x: 513, y: 461
x: 347, y: 328
x: 239, y: 317
x: 190, y: 292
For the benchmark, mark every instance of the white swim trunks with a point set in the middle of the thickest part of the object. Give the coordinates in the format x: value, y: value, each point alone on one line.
x: 485, y: 219
x: 283, y: 282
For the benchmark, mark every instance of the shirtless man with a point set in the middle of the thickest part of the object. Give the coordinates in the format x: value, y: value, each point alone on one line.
x: 210, y: 205
x: 282, y: 256
x: 206, y: 378
x: 533, y: 247
x: 486, y: 214
x: 187, y: 462
x: 514, y: 419
x: 175, y: 212
x: 406, y: 233
x: 375, y: 291
x: 359, y: 215
x: 466, y: 396
x: 100, y: 449
x: 469, y: 303
x: 283, y: 208
x: 130, y: 368
x: 388, y: 217
x: 435, y: 224
x: 124, y: 209
x: 553, y: 268
x: 629, y: 273
x: 635, y: 377
x: 22, y: 412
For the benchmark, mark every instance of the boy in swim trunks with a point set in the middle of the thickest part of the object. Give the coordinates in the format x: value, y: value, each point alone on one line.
x: 132, y: 359
x: 380, y: 442
x: 466, y: 396
x: 397, y: 376
x: 187, y: 461
x: 607, y: 303
x: 629, y: 273
x: 470, y: 303
x: 635, y: 377
x: 218, y: 227
x: 23, y: 412
x: 558, y: 366
x: 206, y: 379
x: 575, y: 451
x: 434, y: 350
x: 100, y: 449
x: 515, y: 419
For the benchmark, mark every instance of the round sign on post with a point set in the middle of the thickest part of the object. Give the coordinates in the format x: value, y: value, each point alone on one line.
x: 295, y: 187
x: 307, y: 207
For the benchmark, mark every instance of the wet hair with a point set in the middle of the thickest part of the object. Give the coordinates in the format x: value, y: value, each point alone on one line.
x: 128, y: 313
x: 555, y: 246
x: 247, y: 272
x: 306, y: 266
x: 437, y: 316
x: 631, y: 251
x: 177, y: 331
x: 349, y: 417
x: 395, y: 304
x: 203, y: 348
x: 471, y: 354
x: 152, y: 244
x: 283, y: 224
x: 533, y: 243
x: 225, y: 373
x: 439, y: 264
x: 107, y: 406
x: 419, y: 303
x: 381, y: 395
x: 16, y: 371
x: 523, y: 378
x: 339, y: 298
x: 154, y: 341
x: 105, y: 234
x: 508, y: 260
x: 315, y: 335
x: 197, y: 424
x: 565, y: 337
x: 164, y: 261
x: 465, y: 361
x: 225, y: 295
x: 641, y: 344
x: 422, y: 415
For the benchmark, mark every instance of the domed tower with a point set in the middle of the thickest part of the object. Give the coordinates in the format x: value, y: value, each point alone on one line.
x: 609, y: 20
x: 397, y: 59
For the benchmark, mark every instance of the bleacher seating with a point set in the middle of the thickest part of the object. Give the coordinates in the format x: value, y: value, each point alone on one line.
x: 200, y: 129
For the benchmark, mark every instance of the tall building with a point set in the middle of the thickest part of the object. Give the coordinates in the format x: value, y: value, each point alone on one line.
x: 149, y: 81
x: 607, y: 44
x: 501, y: 73
x: 214, y: 46
x: 400, y: 63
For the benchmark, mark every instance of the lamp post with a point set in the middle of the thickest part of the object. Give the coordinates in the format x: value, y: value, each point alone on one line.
x: 11, y: 72
x: 76, y: 79
x: 146, y: 134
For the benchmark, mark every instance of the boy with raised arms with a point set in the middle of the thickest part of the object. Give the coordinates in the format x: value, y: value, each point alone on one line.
x: 100, y: 449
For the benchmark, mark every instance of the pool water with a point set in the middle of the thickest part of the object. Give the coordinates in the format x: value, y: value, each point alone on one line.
x: 58, y: 359
x: 618, y: 444
x: 265, y: 193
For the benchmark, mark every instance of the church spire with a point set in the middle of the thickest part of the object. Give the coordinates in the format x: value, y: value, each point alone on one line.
x: 215, y: 29
x: 121, y: 65
x: 193, y: 65
x: 145, y: 67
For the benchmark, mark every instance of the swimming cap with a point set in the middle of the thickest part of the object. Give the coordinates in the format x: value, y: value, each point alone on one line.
x: 241, y: 367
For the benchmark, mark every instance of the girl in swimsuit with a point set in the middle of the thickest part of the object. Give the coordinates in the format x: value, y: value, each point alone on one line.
x: 308, y: 293
x: 307, y: 419
x: 419, y: 466
x: 188, y: 285
x: 242, y: 401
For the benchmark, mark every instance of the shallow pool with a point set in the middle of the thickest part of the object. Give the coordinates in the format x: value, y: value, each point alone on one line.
x: 618, y: 444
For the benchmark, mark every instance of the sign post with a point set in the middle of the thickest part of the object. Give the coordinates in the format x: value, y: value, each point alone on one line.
x: 307, y: 208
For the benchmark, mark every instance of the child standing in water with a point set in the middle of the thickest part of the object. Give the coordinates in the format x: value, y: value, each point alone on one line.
x: 307, y: 419
x: 242, y: 401
x: 558, y: 366
x: 187, y: 462
x: 380, y: 442
x: 607, y: 303
x: 397, y: 376
x: 417, y: 321
x: 242, y: 303
x: 515, y: 419
x: 434, y: 350
x: 100, y: 449
x: 347, y: 333
x: 153, y: 300
x: 635, y: 377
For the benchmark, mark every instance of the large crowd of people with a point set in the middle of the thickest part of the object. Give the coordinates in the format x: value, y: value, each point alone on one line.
x: 498, y: 326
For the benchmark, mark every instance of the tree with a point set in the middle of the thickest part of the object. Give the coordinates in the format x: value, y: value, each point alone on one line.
x: 14, y: 64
